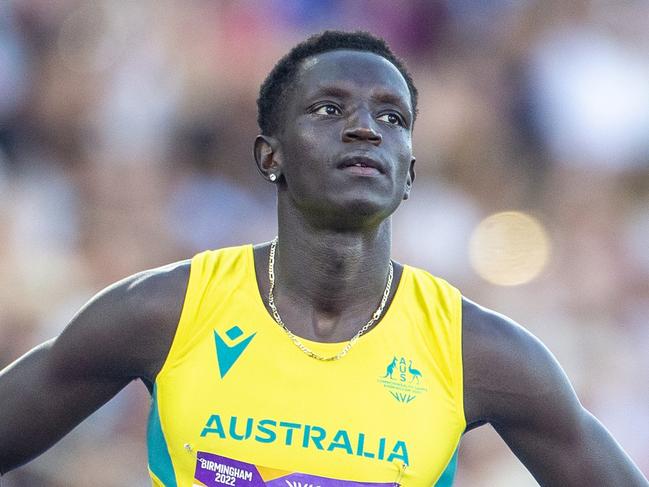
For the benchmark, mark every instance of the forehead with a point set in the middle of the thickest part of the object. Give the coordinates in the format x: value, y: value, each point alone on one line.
x: 350, y: 69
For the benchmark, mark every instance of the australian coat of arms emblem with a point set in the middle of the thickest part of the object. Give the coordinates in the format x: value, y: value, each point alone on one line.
x: 402, y: 379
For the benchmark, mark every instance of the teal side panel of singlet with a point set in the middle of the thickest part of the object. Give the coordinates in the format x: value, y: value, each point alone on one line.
x: 446, y: 479
x: 159, y: 458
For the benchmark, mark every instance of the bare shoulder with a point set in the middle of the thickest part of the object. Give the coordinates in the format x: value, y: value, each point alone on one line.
x: 121, y: 334
x: 513, y: 382
x: 508, y: 371
x: 127, y: 328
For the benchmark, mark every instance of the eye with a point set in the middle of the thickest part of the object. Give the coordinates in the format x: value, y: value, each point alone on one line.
x: 391, y: 118
x: 328, y: 109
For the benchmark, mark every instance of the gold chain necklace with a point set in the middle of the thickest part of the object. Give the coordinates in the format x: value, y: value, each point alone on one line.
x: 295, y: 339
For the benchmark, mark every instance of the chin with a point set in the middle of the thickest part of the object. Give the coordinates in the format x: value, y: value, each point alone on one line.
x: 358, y: 213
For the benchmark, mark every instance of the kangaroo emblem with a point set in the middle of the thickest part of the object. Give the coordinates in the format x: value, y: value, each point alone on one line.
x: 414, y: 372
x: 390, y: 368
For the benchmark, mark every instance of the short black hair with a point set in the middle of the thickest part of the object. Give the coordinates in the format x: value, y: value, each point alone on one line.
x: 277, y: 84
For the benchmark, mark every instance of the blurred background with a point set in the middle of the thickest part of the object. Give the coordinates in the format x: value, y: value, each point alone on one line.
x: 126, y: 133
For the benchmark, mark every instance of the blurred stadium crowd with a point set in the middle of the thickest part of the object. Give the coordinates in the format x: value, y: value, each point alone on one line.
x: 126, y: 133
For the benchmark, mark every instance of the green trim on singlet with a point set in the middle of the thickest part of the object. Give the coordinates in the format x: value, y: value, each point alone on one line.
x: 159, y: 458
x: 446, y: 479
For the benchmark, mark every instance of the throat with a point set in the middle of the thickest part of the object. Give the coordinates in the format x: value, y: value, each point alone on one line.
x: 329, y: 328
x: 330, y: 320
x: 332, y: 314
x: 327, y: 289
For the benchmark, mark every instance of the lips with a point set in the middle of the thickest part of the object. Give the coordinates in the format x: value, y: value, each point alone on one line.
x: 362, y: 165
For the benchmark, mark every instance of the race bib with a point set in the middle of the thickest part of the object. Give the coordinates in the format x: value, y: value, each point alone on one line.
x: 217, y: 471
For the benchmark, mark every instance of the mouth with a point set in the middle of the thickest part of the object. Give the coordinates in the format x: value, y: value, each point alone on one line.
x: 362, y: 166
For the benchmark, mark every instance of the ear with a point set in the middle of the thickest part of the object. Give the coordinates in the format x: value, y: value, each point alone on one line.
x: 410, y: 179
x: 268, y: 158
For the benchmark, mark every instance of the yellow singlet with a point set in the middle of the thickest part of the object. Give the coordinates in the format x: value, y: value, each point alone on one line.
x: 237, y: 403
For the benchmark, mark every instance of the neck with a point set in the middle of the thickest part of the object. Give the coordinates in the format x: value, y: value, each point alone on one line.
x: 328, y: 283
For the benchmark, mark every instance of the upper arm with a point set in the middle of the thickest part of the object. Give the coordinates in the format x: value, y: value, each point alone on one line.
x: 513, y: 382
x: 124, y: 331
x: 121, y: 334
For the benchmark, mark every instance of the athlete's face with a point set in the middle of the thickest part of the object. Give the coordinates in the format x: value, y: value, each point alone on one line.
x: 345, y: 151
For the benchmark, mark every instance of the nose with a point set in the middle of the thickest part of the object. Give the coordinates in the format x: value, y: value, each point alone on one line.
x: 361, y: 128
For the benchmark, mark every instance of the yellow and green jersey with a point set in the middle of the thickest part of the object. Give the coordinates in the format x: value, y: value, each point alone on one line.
x: 237, y: 403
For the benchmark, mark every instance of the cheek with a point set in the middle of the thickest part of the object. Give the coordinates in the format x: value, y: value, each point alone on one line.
x: 300, y: 165
x: 306, y: 148
x: 404, y: 156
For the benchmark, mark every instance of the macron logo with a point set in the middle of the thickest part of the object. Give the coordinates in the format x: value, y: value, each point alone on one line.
x: 226, y: 354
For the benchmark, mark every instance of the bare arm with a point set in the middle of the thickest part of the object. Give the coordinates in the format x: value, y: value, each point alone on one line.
x: 513, y: 382
x: 122, y: 334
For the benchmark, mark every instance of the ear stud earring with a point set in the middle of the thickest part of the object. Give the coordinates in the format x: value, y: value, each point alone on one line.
x: 272, y: 177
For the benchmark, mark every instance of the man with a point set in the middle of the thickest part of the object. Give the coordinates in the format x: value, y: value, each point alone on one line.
x: 313, y: 358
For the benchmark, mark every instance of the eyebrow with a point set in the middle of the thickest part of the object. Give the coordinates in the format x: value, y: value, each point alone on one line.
x: 328, y: 90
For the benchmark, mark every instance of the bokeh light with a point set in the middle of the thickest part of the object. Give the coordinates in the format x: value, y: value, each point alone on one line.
x: 509, y: 248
